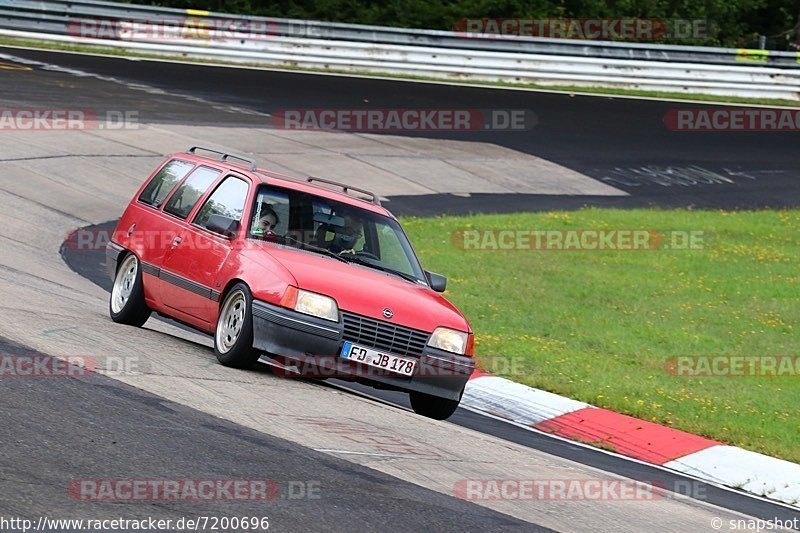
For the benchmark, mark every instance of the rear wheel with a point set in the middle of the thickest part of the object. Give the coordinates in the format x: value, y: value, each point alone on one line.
x: 127, y: 305
x: 233, y: 340
x: 432, y: 406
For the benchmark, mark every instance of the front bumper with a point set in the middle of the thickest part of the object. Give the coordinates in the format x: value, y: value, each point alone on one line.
x: 314, y: 345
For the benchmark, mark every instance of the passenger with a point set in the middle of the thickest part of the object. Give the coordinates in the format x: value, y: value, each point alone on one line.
x: 267, y: 221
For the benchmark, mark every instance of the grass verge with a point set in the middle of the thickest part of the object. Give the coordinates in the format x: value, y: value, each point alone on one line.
x: 601, y: 326
x: 607, y: 91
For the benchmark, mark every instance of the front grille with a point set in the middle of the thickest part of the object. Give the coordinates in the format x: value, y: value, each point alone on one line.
x: 383, y: 336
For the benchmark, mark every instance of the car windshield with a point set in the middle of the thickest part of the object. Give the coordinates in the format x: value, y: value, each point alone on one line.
x: 321, y: 225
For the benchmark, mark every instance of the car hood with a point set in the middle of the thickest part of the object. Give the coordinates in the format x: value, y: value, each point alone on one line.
x: 366, y: 291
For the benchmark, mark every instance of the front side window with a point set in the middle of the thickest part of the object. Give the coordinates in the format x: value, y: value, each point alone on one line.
x: 222, y: 212
x: 164, y: 181
x: 271, y: 213
x: 186, y: 197
x: 320, y: 225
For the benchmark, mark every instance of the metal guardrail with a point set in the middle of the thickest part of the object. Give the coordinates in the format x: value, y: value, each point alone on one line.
x: 48, y: 15
x: 450, y: 55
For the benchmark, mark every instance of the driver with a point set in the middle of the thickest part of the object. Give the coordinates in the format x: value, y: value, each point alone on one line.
x: 346, y: 237
x: 351, y: 233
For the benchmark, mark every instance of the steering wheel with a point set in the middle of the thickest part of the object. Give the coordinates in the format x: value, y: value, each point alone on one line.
x: 368, y: 255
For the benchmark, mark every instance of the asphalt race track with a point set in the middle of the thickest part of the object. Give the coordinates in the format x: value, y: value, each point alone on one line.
x: 113, y: 427
x: 621, y: 142
x: 180, y: 415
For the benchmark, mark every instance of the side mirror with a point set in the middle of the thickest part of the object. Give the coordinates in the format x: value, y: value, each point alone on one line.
x: 225, y: 226
x: 437, y: 282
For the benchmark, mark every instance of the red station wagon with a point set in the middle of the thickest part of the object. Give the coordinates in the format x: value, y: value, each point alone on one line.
x: 310, y: 274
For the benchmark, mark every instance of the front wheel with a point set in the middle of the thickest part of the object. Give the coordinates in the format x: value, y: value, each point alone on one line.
x: 233, y: 341
x: 127, y: 305
x: 432, y: 406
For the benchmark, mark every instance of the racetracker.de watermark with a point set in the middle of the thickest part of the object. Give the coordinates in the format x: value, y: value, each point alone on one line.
x: 733, y: 366
x: 598, y: 29
x: 335, y: 366
x: 176, y: 29
x: 93, y: 239
x: 578, y: 240
x: 556, y: 489
x: 44, y: 366
x: 732, y: 119
x: 192, y: 490
x: 383, y: 120
x: 67, y: 119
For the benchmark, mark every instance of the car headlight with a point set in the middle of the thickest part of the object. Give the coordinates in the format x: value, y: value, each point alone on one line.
x: 449, y: 340
x: 311, y: 303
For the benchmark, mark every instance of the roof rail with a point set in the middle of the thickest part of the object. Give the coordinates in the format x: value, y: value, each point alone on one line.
x: 225, y: 156
x: 345, y: 188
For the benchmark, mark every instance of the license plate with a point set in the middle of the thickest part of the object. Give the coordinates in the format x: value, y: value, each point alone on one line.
x: 374, y: 358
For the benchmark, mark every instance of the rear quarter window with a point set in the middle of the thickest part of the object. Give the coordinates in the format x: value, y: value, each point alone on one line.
x: 186, y: 197
x: 164, y: 181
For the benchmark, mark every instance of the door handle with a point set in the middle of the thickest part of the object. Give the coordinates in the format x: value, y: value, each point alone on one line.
x: 176, y: 241
x: 130, y: 230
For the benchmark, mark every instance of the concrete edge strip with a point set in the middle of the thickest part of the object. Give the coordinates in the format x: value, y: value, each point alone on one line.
x: 652, y: 443
x: 514, y: 401
x: 753, y: 472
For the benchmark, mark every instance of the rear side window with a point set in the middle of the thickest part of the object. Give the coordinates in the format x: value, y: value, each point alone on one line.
x: 222, y: 212
x: 162, y: 183
x: 183, y: 201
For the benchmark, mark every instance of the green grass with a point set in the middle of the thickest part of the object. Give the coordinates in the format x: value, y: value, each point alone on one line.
x: 608, y: 91
x: 599, y: 326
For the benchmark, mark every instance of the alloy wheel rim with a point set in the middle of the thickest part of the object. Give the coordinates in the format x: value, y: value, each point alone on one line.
x: 123, y: 284
x: 231, y: 322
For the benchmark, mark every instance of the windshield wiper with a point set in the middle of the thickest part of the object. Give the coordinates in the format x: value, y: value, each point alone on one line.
x: 407, y: 277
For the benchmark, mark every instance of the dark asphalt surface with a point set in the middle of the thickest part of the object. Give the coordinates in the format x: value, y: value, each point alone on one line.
x: 61, y: 429
x: 91, y: 265
x: 622, y: 142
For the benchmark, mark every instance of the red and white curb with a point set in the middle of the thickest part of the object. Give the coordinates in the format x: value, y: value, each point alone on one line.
x: 652, y: 443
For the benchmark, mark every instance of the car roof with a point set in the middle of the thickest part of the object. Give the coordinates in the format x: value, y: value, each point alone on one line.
x: 299, y: 184
x: 324, y: 190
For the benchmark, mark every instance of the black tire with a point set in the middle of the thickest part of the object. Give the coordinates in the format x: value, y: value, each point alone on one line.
x: 432, y: 406
x: 238, y: 352
x: 131, y: 310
